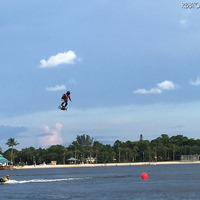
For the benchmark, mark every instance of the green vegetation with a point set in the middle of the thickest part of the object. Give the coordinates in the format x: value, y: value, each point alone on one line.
x: 84, y: 148
x: 11, y: 143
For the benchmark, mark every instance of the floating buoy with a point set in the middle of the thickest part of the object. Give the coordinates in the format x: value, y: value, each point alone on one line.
x: 144, y: 175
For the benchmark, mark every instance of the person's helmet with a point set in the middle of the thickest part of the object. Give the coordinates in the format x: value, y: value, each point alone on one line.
x: 7, y: 176
x: 68, y: 92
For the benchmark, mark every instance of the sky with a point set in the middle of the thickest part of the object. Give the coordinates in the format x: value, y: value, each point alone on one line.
x: 132, y: 68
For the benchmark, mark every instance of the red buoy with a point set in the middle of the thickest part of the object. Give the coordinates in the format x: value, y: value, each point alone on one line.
x: 144, y: 175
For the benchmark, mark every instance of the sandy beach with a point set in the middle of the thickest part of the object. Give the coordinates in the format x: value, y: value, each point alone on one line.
x: 104, y: 165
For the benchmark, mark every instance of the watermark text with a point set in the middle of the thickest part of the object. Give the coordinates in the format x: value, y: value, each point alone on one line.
x: 190, y: 5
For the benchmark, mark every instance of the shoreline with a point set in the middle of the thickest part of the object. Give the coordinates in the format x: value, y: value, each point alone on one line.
x: 104, y: 165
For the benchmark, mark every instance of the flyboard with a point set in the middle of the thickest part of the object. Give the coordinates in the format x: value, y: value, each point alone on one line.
x: 62, y: 107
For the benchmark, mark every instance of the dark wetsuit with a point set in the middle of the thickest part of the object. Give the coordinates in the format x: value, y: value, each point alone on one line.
x: 65, y: 99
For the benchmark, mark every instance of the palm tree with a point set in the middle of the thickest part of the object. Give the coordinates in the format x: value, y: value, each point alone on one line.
x: 85, y: 140
x: 11, y: 143
x: 97, y: 147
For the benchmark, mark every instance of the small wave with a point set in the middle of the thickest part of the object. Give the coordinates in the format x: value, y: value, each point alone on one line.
x: 44, y: 180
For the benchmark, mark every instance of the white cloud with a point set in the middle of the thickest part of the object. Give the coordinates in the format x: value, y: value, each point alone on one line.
x: 53, y: 137
x: 59, y: 59
x: 196, y: 82
x: 183, y: 22
x: 165, y: 85
x: 72, y: 81
x: 151, y: 91
x: 56, y: 88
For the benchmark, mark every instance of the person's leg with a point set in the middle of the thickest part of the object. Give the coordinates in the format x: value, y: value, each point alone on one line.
x: 63, y: 103
x: 66, y: 102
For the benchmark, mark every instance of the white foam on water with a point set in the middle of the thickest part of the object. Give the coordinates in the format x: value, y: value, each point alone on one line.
x: 44, y: 180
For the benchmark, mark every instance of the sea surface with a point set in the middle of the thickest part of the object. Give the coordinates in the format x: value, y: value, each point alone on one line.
x: 102, y: 183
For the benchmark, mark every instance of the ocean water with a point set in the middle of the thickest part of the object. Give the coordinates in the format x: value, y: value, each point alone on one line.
x: 103, y: 183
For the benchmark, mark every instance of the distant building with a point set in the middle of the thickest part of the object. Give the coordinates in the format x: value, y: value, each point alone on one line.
x: 53, y: 162
x: 189, y: 158
x: 90, y: 160
x: 4, y: 163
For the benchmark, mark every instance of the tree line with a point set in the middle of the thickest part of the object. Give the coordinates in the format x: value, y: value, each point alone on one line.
x: 87, y: 150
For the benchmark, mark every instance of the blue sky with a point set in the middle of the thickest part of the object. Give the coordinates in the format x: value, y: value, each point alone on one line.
x: 132, y: 68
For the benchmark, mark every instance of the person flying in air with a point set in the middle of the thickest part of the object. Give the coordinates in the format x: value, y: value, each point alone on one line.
x: 65, y: 98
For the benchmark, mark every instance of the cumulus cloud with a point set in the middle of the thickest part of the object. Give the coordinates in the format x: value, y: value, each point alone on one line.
x: 196, y: 82
x: 53, y: 136
x: 56, y: 88
x: 61, y: 58
x: 165, y: 85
